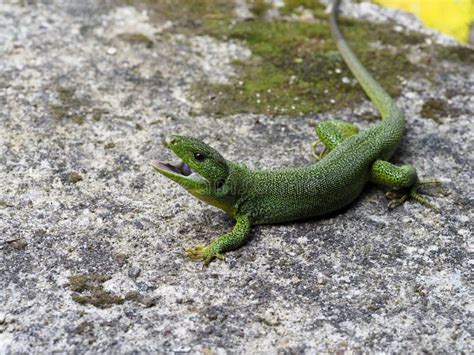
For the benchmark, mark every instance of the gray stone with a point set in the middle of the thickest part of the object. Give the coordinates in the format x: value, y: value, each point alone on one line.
x: 366, y: 279
x: 134, y: 272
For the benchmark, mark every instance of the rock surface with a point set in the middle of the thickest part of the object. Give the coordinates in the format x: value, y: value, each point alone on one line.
x: 91, y: 239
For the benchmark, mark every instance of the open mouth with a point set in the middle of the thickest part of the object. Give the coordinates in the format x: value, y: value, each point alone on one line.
x: 178, y: 168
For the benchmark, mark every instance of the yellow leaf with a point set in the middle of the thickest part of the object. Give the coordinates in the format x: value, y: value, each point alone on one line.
x: 452, y: 17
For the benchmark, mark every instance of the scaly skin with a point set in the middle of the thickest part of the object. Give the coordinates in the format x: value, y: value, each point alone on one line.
x: 349, y: 160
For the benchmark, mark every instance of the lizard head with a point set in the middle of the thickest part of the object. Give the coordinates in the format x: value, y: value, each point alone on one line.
x: 200, y: 169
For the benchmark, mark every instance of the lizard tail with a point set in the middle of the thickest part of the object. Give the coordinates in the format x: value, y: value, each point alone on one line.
x: 382, y: 101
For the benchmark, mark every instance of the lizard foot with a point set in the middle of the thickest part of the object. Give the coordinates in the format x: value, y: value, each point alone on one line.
x: 314, y: 150
x: 200, y: 252
x: 398, y: 198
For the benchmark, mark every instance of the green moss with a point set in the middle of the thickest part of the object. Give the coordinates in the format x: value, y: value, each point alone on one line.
x: 121, y: 258
x: 5, y: 204
x: 98, y: 298
x: 78, y: 119
x: 88, y: 289
x: 67, y: 95
x: 188, y: 16
x: 69, y: 107
x: 294, y: 5
x: 259, y: 7
x: 133, y: 296
x: 73, y: 109
x: 20, y: 244
x: 296, y: 68
x: 86, y: 282
x: 456, y: 53
x: 437, y: 110
x: 74, y: 178
x: 97, y: 114
x: 59, y: 112
x: 136, y: 38
x: 85, y: 328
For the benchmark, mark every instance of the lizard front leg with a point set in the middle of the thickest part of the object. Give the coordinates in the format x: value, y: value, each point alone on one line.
x: 403, y: 177
x: 229, y: 241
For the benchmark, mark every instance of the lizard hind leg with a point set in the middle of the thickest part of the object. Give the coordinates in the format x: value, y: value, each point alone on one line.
x: 330, y: 134
x: 403, y: 178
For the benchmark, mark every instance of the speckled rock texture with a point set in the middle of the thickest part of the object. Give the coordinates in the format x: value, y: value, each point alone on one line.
x: 91, y: 239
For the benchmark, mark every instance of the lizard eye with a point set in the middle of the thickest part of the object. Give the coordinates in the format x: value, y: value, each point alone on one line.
x: 198, y: 156
x: 219, y: 183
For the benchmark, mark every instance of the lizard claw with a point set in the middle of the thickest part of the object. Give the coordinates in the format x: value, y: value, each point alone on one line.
x: 200, y: 252
x: 393, y: 195
x: 196, y: 252
x: 314, y: 150
x: 398, y: 199
x: 394, y: 202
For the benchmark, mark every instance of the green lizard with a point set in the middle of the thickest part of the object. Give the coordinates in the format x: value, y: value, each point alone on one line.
x: 350, y: 160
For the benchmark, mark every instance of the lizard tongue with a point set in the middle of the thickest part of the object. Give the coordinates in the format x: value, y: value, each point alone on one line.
x: 177, y: 167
